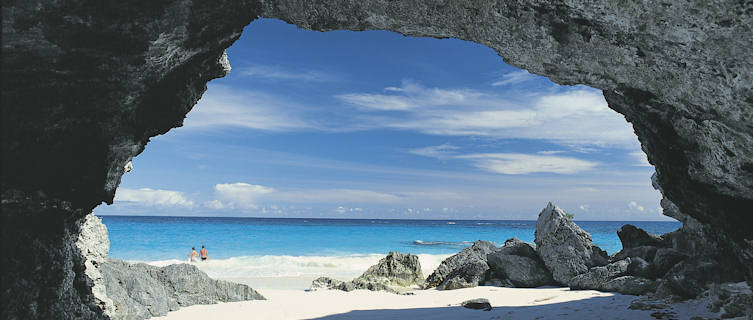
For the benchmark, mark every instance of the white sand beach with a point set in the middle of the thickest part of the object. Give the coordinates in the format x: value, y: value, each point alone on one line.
x: 508, y: 303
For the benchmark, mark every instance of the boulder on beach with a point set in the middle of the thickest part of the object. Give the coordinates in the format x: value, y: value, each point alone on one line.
x: 325, y: 283
x: 397, y: 272
x: 140, y: 291
x: 462, y: 270
x: 615, y: 277
x: 477, y: 304
x: 566, y: 249
x: 517, y: 264
x: 396, y: 269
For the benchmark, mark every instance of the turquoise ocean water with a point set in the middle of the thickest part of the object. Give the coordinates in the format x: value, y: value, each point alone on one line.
x: 272, y: 247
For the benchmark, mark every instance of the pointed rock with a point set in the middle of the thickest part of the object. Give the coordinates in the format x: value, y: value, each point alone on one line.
x: 566, y: 249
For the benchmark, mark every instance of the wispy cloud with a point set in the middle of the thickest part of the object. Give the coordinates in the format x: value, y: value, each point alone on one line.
x: 511, y: 163
x: 513, y: 78
x: 577, y: 117
x: 440, y: 151
x: 238, y: 195
x: 519, y: 163
x: 153, y: 197
x: 277, y: 73
x: 226, y: 107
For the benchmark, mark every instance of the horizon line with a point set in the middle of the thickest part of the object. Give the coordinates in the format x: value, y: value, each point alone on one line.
x: 336, y: 218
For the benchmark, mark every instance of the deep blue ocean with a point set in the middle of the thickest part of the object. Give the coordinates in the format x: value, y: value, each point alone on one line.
x: 262, y: 247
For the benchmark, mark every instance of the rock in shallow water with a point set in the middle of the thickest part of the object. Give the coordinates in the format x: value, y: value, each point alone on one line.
x: 462, y: 270
x: 566, y: 249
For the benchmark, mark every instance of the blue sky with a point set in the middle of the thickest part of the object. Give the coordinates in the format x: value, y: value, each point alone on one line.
x: 377, y: 125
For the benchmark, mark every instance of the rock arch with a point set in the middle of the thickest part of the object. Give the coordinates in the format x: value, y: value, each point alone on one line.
x: 86, y: 84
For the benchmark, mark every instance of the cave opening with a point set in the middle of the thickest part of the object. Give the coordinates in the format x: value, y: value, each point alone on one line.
x: 365, y: 128
x: 86, y: 87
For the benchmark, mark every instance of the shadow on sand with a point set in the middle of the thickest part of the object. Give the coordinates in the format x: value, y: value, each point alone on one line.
x: 592, y: 308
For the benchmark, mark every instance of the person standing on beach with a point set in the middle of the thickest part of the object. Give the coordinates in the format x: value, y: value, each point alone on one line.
x: 204, y: 253
x: 193, y: 255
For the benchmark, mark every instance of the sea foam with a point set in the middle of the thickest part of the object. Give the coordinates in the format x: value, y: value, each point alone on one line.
x: 342, y: 266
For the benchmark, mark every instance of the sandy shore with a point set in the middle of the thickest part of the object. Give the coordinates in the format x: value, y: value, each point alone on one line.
x: 508, y: 303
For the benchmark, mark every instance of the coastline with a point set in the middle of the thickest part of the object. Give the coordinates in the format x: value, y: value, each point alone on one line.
x: 507, y: 303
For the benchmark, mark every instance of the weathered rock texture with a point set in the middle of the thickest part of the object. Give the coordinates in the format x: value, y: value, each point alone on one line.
x: 613, y: 277
x: 396, y: 273
x: 86, y: 83
x: 517, y: 264
x: 465, y: 269
x: 566, y: 249
x: 141, y: 291
x: 44, y: 272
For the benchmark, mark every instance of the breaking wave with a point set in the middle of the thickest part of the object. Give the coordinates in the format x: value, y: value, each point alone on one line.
x: 443, y: 243
x: 342, y: 266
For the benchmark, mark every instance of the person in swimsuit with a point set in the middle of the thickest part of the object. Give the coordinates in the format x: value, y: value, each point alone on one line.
x: 204, y: 253
x: 192, y: 255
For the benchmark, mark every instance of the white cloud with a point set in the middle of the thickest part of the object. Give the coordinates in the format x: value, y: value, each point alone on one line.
x: 153, y: 197
x: 238, y: 195
x: 575, y: 116
x: 519, y: 163
x: 410, y: 96
x: 284, y: 74
x: 635, y: 206
x: 439, y: 151
x: 215, y: 204
x: 585, y: 207
x: 550, y: 152
x: 513, y: 77
x: 226, y: 107
x: 511, y: 163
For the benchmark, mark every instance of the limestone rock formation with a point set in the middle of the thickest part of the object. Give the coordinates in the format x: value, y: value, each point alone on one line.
x: 566, y: 249
x: 94, y: 244
x: 477, y: 304
x: 141, y: 291
x: 396, y: 269
x: 325, y: 283
x: 396, y: 273
x: 614, y: 278
x: 632, y: 236
x: 87, y: 83
x: 462, y: 270
x: 517, y: 264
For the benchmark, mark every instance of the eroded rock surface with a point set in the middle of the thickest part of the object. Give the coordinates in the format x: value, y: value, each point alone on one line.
x: 566, y: 249
x: 141, y: 291
x: 396, y: 273
x: 517, y: 264
x: 462, y: 270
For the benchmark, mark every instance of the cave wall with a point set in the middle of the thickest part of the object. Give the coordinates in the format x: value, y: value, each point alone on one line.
x: 86, y: 83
